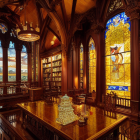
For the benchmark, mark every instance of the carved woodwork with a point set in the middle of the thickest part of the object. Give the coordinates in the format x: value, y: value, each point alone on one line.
x: 5, y: 2
x: 110, y: 105
x: 114, y: 5
x: 38, y: 128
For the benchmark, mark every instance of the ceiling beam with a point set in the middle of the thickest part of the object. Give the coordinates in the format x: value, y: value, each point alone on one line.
x: 73, y: 13
x: 45, y: 31
x: 37, y: 5
x: 63, y: 10
x: 46, y: 25
x: 53, y: 32
x: 44, y: 39
x: 46, y: 21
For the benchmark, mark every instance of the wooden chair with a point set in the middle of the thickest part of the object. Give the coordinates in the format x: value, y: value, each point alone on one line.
x: 110, y: 106
x: 91, y: 98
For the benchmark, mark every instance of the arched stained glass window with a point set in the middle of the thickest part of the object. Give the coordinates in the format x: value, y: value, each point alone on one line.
x: 117, y: 55
x: 92, y: 66
x: 11, y: 62
x: 1, y: 63
x: 81, y: 65
x: 24, y: 64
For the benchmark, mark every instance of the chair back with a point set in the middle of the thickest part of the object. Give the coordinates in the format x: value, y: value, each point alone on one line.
x: 110, y: 106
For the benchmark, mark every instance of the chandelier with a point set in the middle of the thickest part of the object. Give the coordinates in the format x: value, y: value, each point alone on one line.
x: 28, y: 33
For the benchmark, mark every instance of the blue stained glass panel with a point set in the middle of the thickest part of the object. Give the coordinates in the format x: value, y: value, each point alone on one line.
x: 120, y: 88
x: 115, y: 21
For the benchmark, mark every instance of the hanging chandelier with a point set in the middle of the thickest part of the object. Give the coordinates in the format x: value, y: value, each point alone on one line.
x: 28, y: 33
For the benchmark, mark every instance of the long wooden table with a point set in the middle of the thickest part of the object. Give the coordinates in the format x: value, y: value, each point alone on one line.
x: 40, y: 118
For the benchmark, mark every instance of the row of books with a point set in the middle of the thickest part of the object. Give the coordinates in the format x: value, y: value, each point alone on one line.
x: 57, y: 69
x: 46, y: 83
x: 56, y: 57
x: 46, y: 65
x: 56, y: 84
x: 47, y: 70
x: 57, y: 63
x: 56, y: 79
x: 47, y: 60
x: 57, y: 74
x: 47, y: 75
x: 47, y: 79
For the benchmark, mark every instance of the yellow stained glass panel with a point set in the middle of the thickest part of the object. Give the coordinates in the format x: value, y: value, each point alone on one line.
x: 117, y: 41
x: 127, y: 57
x: 92, y: 66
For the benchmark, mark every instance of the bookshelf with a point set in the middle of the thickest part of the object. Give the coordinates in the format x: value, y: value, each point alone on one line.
x: 52, y: 72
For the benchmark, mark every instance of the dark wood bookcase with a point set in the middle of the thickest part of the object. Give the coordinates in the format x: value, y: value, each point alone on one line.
x: 52, y: 72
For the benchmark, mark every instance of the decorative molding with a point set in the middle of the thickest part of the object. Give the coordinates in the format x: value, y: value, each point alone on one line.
x: 133, y: 13
x: 50, y: 52
x: 77, y: 18
x: 97, y: 28
x: 132, y: 2
x: 5, y: 2
x: 114, y: 5
x: 91, y: 15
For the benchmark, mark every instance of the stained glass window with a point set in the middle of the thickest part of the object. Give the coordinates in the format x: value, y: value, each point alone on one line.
x: 3, y: 28
x: 81, y: 65
x: 11, y: 62
x: 92, y: 66
x: 117, y: 55
x: 24, y: 64
x: 1, y: 63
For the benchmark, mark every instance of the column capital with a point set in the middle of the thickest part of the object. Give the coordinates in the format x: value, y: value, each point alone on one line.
x: 97, y: 28
x: 18, y: 46
x: 132, y: 12
x: 5, y: 44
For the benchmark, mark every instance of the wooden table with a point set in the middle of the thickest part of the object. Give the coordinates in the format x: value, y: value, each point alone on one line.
x: 40, y: 118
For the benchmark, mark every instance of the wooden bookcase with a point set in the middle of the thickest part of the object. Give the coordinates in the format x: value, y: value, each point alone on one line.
x: 52, y: 72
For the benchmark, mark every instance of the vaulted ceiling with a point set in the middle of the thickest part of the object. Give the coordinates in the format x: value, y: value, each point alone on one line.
x: 56, y: 18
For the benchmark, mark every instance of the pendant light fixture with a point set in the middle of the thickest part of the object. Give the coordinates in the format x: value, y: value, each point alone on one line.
x: 27, y: 33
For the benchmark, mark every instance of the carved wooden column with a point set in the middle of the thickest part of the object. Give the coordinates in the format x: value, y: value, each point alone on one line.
x: 18, y: 47
x: 64, y: 83
x: 29, y: 65
x: 5, y: 61
x: 75, y: 66
x: 5, y: 46
x: 100, y: 65
x: 85, y: 65
x: 70, y: 70
x: 134, y: 17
